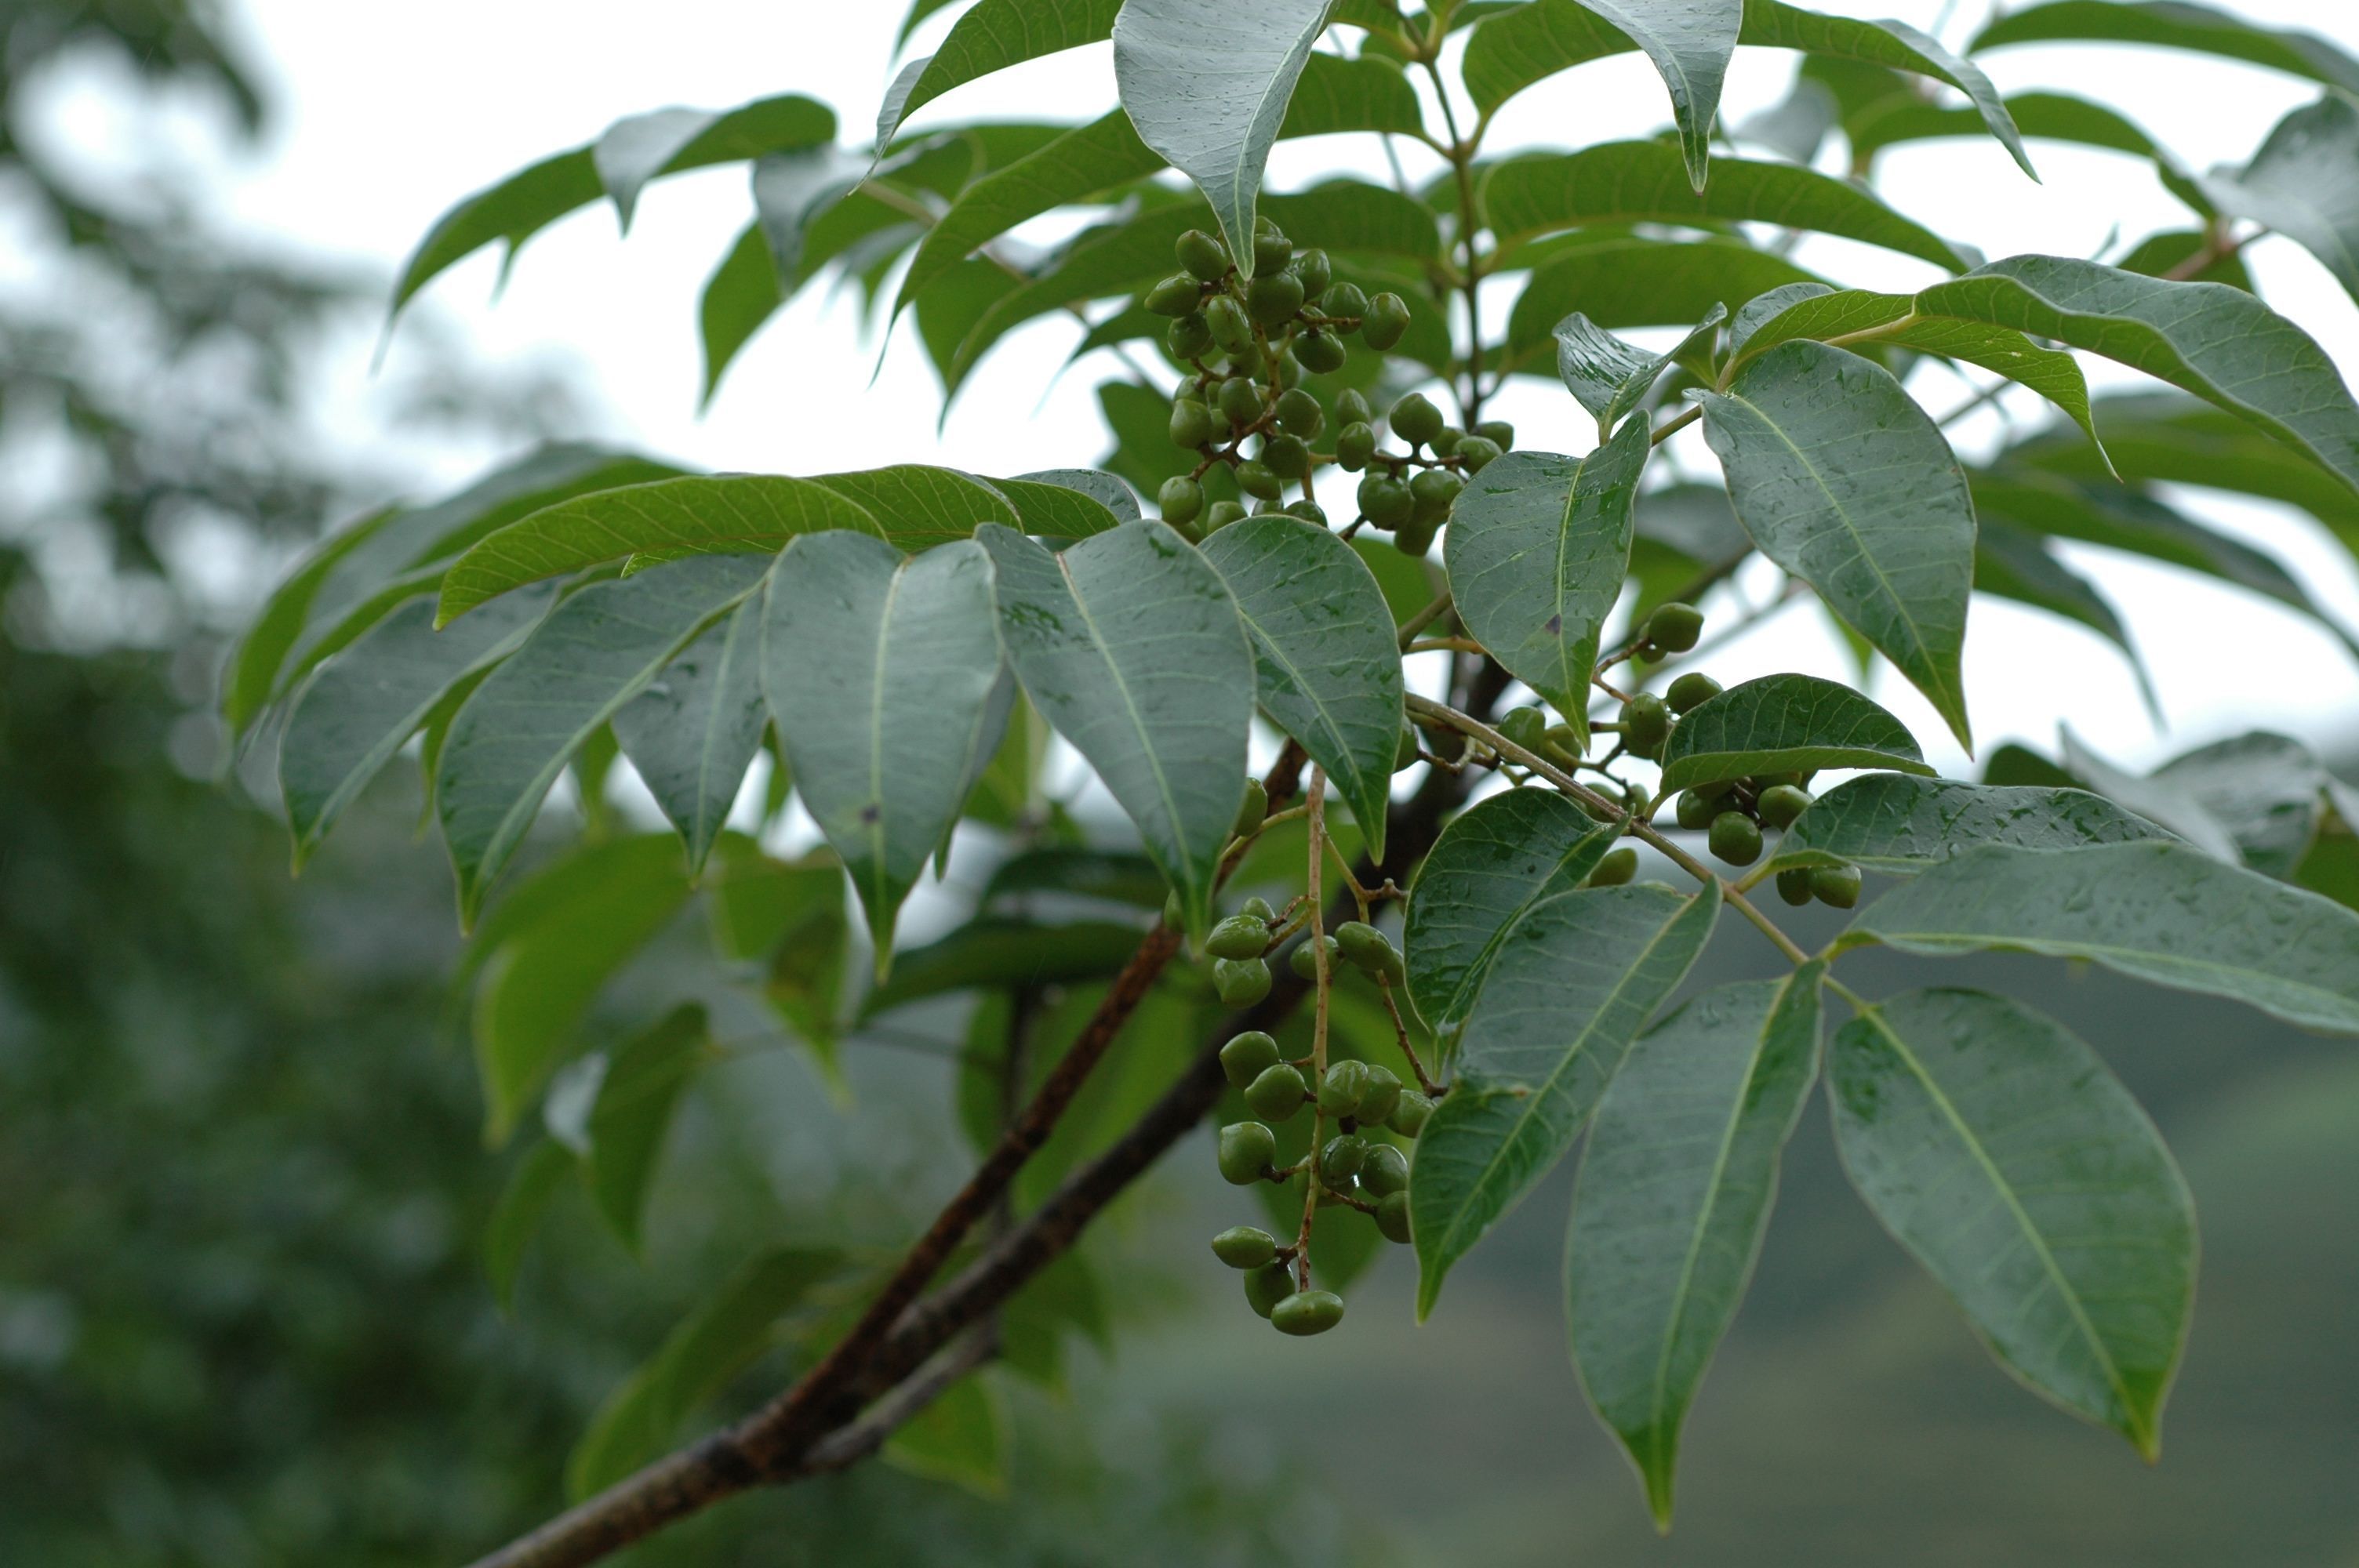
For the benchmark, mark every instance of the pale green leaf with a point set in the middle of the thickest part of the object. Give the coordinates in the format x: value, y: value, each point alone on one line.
x: 2304, y: 183
x: 1635, y: 282
x: 2016, y: 564
x: 998, y: 954
x: 991, y: 37
x: 1892, y: 822
x: 1609, y: 377
x: 637, y: 1097
x: 2174, y: 24
x: 1786, y: 724
x: 530, y: 1187
x: 692, y: 734
x: 1691, y: 42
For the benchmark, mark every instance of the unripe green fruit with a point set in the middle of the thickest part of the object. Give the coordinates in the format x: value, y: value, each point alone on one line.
x: 1306, y: 1312
x: 1343, y: 1157
x: 1298, y: 414
x: 1392, y: 1218
x: 1354, y: 444
x: 1434, y: 492
x: 1316, y: 271
x: 1231, y: 329
x: 1223, y: 513
x: 1780, y: 804
x: 1267, y: 1286
x: 1181, y: 498
x: 1414, y: 539
x: 1697, y: 809
x: 1386, y: 502
x: 1240, y: 399
x: 1526, y: 727
x: 1387, y: 321
x: 1189, y: 338
x: 1320, y: 352
x: 1408, y: 1117
x: 1675, y: 628
x: 1240, y: 982
x: 1385, y: 1171
x: 1639, y: 798
x: 1191, y: 423
x: 1289, y: 457
x: 1175, y: 296
x: 1476, y: 453
x: 1340, y: 1090
x: 1445, y: 443
x: 1272, y: 298
x: 1202, y: 254
x: 1248, y: 361
x: 1691, y: 691
x: 1383, y: 1093
x: 1646, y: 724
x: 1247, y: 1150
x: 1344, y: 302
x: 1258, y: 907
x: 1415, y: 419
x: 1836, y: 885
x: 1366, y: 948
x: 1247, y: 1056
x: 1734, y: 837
x: 1794, y: 885
x: 1271, y: 250
x: 1352, y: 408
x: 1251, y: 810
x: 1245, y: 1247
x: 1310, y: 512
x: 1276, y: 1092
x: 1499, y: 432
x: 1259, y: 480
x: 1305, y: 959
x: 1238, y: 937
x: 1617, y: 867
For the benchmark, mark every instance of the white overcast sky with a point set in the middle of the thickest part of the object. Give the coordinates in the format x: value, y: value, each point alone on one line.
x: 386, y: 114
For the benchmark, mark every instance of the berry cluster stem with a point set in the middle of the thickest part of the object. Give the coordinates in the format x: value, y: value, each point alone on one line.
x: 1315, y: 801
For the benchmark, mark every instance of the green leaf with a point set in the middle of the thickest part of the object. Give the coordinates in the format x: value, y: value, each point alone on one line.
x: 789, y: 915
x: 1891, y: 822
x: 1209, y: 96
x: 1638, y: 283
x: 1675, y: 1192
x: 992, y: 36
x: 1572, y: 985
x: 1131, y: 645
x: 1691, y: 44
x: 999, y: 954
x: 1327, y: 669
x: 1492, y: 865
x: 697, y: 1361
x: 880, y: 670
x: 2154, y: 799
x: 253, y: 668
x: 523, y: 1201
x: 1845, y: 482
x: 2049, y: 116
x: 917, y: 506
x: 1070, y: 870
x: 2173, y: 24
x: 2301, y: 184
x: 2159, y: 912
x: 961, y: 1439
x: 552, y: 950
x: 1538, y: 547
x: 750, y: 512
x: 692, y: 734
x: 361, y: 707
x: 1609, y: 377
x: 597, y: 651
x: 1786, y: 724
x: 742, y: 293
x: 2013, y: 563
x: 636, y: 1100
x: 1645, y: 182
x: 1997, y: 1147
x: 1069, y: 503
x: 2268, y: 790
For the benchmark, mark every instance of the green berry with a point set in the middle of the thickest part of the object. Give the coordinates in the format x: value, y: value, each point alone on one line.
x: 1175, y: 296
x: 1341, y: 1159
x: 1259, y: 480
x: 1202, y: 254
x: 1383, y: 1093
x: 1563, y: 740
x: 1238, y: 937
x: 1646, y: 724
x: 1189, y: 338
x: 1352, y: 408
x: 1781, y: 804
x: 1385, y: 1171
x: 1180, y: 498
x: 1344, y: 302
x: 1476, y: 453
x: 1271, y: 250
x: 1392, y: 1218
x: 1691, y: 691
x: 1310, y: 512
x: 1258, y: 907
x: 1387, y: 321
x: 1223, y: 513
x: 1354, y: 444
x: 1434, y: 490
x: 1367, y: 949
x: 1836, y: 885
x: 1240, y: 399
x: 1675, y: 628
x: 1408, y: 1117
x: 1298, y: 414
x: 1251, y: 810
x: 1734, y: 837
x: 1247, y: 1056
x: 1272, y: 298
x: 1499, y: 432
x: 1697, y: 809
x: 1414, y: 539
x: 1289, y: 457
x: 1307, y: 1313
x: 1445, y: 443
x: 1240, y: 982
x: 1794, y: 885
x: 1316, y: 271
x: 1320, y: 352
x: 1191, y: 423
x: 1526, y: 727
x: 1340, y: 1090
x: 1386, y: 502
x: 1305, y: 959
x: 1415, y: 419
x: 1247, y: 1150
x: 1267, y: 1286
x: 1617, y: 867
x: 1245, y: 1247
x: 1231, y: 329
x: 1276, y: 1092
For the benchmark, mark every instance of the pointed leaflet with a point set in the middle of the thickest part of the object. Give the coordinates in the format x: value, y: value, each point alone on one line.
x: 1537, y: 550
x: 1636, y: 282
x: 2157, y: 912
x: 993, y: 953
x: 1609, y: 377
x: 1786, y: 724
x: 1570, y: 987
x: 794, y: 190
x: 2267, y: 792
x: 1845, y: 481
x: 1329, y: 669
x: 992, y: 36
x: 693, y: 732
x: 2016, y: 564
x: 1891, y: 822
x: 1997, y: 1148
x: 1209, y: 93
x: 879, y: 671
x: 1131, y: 645
x: 594, y: 653
x: 522, y: 1201
x: 2157, y: 800
x: 2304, y: 183
x: 1675, y: 1192
x: 2173, y: 24
x: 1111, y: 492
x: 635, y: 1099
x: 1691, y: 42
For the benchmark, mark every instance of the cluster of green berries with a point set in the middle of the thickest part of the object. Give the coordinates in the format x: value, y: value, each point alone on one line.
x: 1409, y: 494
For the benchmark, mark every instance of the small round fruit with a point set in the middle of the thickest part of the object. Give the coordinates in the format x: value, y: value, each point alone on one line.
x: 1258, y: 907
x: 1383, y: 1093
x: 1320, y: 352
x: 1238, y: 937
x: 1289, y: 457
x: 1341, y: 1159
x: 1617, y: 867
x: 1697, y: 809
x: 1276, y: 1092
x: 1646, y: 723
x: 1735, y: 839
x: 1386, y: 321
x: 1191, y: 423
x: 1392, y: 1218
x: 1344, y: 302
x: 1251, y: 811
x: 1691, y: 691
x: 1366, y: 948
x: 1189, y: 338
x: 1223, y: 513
x: 1526, y: 727
x: 1445, y: 442
x: 1675, y: 628
x: 1271, y: 250
x: 1836, y: 885
x: 1298, y: 414
x: 1240, y: 982
x: 1386, y: 502
x: 1434, y: 490
x: 1247, y: 1150
x: 1352, y: 408
x: 1780, y: 804
x: 1385, y: 1172
x: 1415, y: 419
x: 1175, y: 296
x: 1316, y: 271
x: 1248, y: 1056
x: 1202, y: 254
x: 1563, y: 740
x: 1272, y: 298
x: 1181, y: 498
x: 1794, y: 885
x: 1304, y: 959
x: 1476, y: 453
x: 1259, y: 480
x: 1408, y: 1117
x: 1230, y: 328
x: 1354, y: 444
x: 1245, y: 1247
x: 1340, y: 1090
x: 1240, y: 399
x: 1306, y: 1312
x: 1499, y: 432
x: 1267, y: 1286
x: 1414, y: 539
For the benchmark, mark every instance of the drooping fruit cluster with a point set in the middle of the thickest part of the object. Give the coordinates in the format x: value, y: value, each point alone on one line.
x: 1409, y: 494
